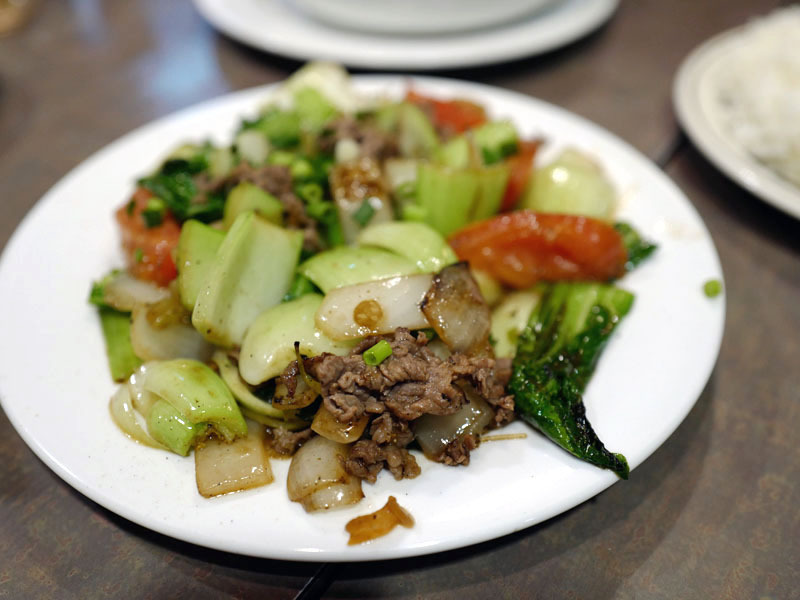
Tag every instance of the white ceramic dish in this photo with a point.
(277, 26)
(696, 101)
(55, 386)
(415, 17)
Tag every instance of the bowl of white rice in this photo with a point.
(758, 90)
(737, 96)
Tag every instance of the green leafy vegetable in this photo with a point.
(300, 286)
(154, 212)
(556, 356)
(637, 247)
(174, 185)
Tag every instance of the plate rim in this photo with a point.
(485, 47)
(723, 152)
(599, 484)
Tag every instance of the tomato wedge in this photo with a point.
(523, 247)
(148, 250)
(521, 165)
(449, 116)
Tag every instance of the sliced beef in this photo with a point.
(490, 377)
(457, 451)
(387, 429)
(373, 142)
(410, 383)
(287, 442)
(368, 458)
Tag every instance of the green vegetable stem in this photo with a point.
(556, 356)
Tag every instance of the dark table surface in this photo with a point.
(712, 514)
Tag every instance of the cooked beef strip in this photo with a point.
(287, 442)
(457, 451)
(373, 142)
(368, 458)
(387, 429)
(411, 382)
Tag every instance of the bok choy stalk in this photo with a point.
(122, 360)
(556, 356)
(191, 398)
(115, 320)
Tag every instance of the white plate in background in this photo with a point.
(415, 17)
(277, 26)
(55, 386)
(696, 100)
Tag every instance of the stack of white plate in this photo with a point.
(412, 34)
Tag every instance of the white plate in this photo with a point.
(695, 97)
(55, 385)
(414, 17)
(277, 26)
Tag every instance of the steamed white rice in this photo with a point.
(759, 91)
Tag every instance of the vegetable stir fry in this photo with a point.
(355, 280)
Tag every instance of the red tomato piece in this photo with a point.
(523, 247)
(148, 250)
(449, 116)
(521, 165)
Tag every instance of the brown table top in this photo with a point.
(712, 514)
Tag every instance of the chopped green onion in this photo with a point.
(712, 288)
(154, 213)
(310, 193)
(319, 210)
(281, 157)
(301, 169)
(378, 353)
(364, 213)
(138, 255)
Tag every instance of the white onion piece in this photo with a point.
(335, 496)
(326, 425)
(224, 467)
(374, 307)
(318, 466)
(457, 311)
(175, 341)
(124, 292)
(124, 416)
(143, 399)
(435, 432)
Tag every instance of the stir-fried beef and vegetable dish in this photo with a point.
(352, 281)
